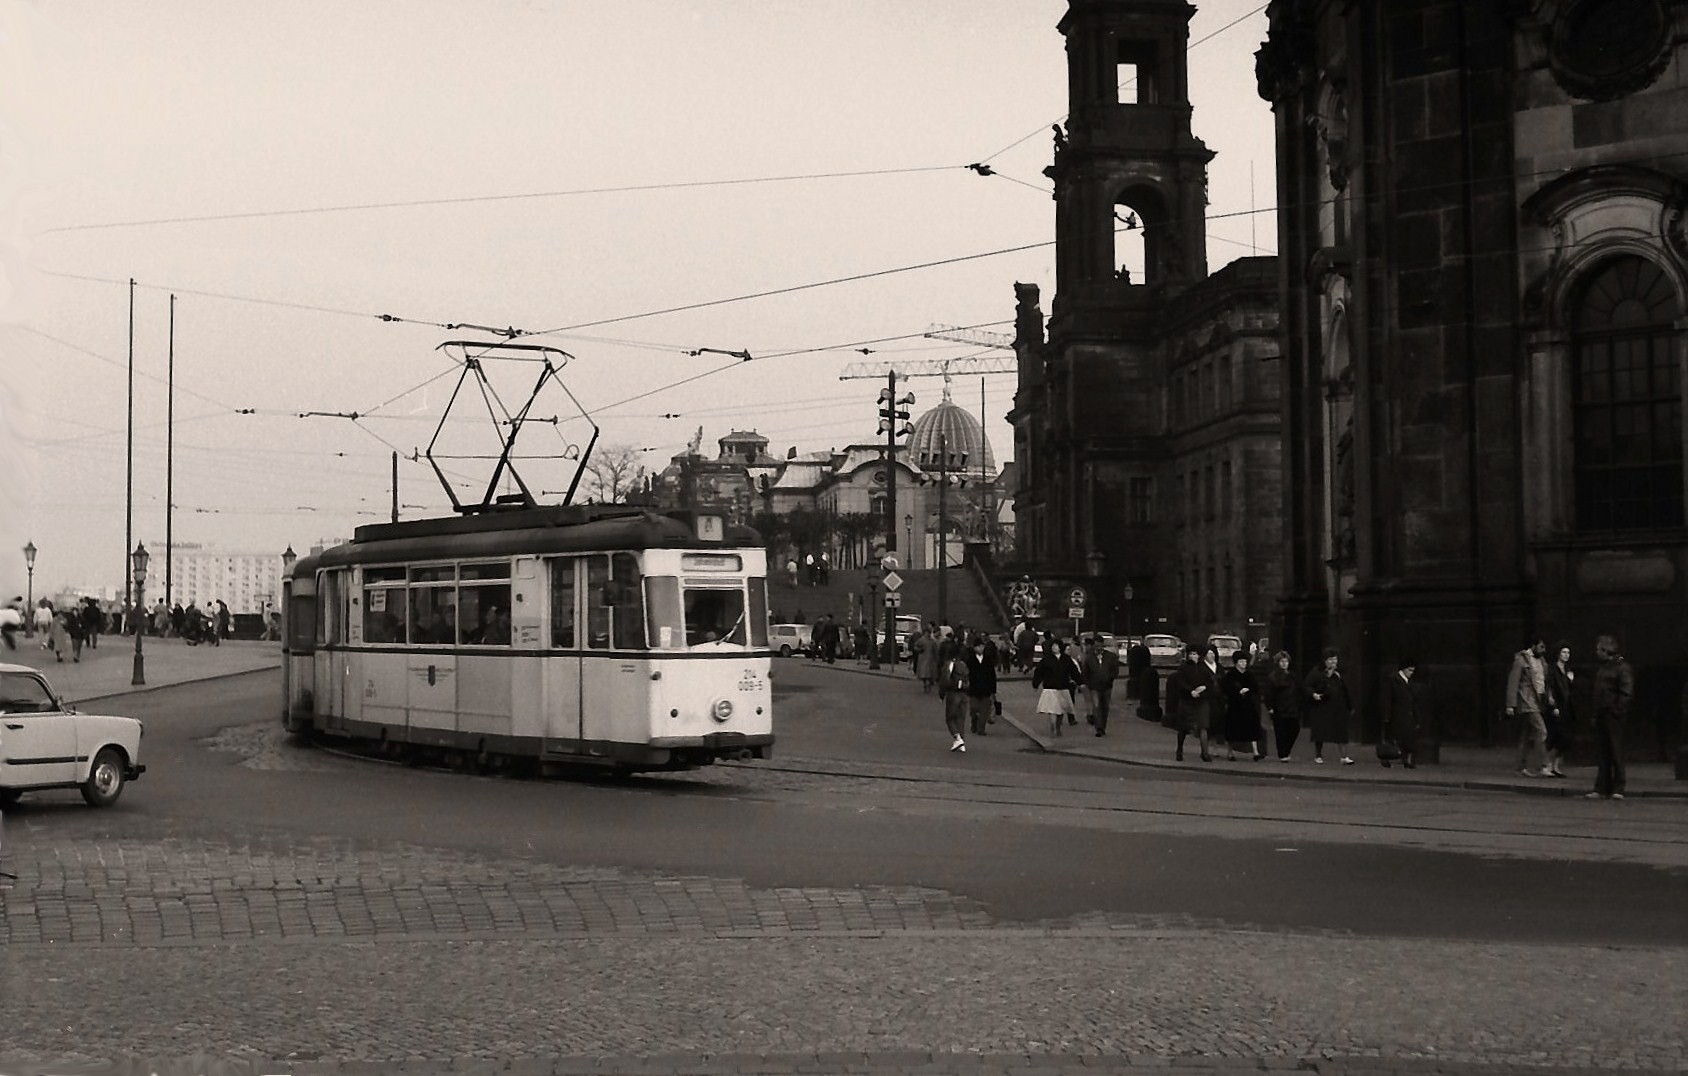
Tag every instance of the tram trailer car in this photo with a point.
(605, 635)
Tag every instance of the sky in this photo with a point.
(326, 186)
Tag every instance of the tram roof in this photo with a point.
(554, 529)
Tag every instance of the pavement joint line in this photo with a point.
(150, 688)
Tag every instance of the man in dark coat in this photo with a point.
(1101, 669)
(981, 659)
(1614, 692)
(1400, 712)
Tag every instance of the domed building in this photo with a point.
(949, 430)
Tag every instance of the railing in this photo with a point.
(976, 557)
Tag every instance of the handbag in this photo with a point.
(1388, 750)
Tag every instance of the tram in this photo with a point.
(601, 634)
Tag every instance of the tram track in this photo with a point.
(926, 787)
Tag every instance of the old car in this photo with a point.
(1165, 651)
(1225, 645)
(46, 744)
(789, 639)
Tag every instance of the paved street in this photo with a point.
(868, 902)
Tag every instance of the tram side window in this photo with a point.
(383, 605)
(663, 623)
(483, 606)
(714, 616)
(301, 621)
(562, 603)
(433, 615)
(627, 620)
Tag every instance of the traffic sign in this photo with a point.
(1075, 613)
(893, 599)
(889, 562)
(1077, 598)
(893, 582)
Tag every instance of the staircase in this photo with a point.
(966, 603)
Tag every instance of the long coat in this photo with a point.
(1194, 712)
(1401, 718)
(1242, 716)
(926, 657)
(1283, 695)
(1328, 716)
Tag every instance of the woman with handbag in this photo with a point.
(1398, 738)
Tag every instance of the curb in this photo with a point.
(149, 688)
(1476, 784)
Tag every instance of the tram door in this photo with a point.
(561, 689)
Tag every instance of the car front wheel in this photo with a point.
(105, 779)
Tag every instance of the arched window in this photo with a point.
(1627, 400)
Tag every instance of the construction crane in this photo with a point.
(945, 368)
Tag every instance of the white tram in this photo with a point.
(597, 634)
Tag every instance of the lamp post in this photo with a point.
(138, 562)
(908, 531)
(1128, 594)
(287, 559)
(29, 608)
(1095, 563)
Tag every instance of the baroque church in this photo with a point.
(1484, 271)
(1147, 419)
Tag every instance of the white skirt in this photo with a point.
(1054, 701)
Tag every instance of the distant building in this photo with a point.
(247, 582)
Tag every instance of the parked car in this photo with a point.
(789, 639)
(1165, 651)
(908, 626)
(47, 744)
(1226, 645)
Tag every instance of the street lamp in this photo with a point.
(1095, 562)
(287, 559)
(908, 529)
(138, 561)
(29, 608)
(1128, 594)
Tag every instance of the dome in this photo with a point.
(963, 439)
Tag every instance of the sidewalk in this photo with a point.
(1135, 742)
(109, 670)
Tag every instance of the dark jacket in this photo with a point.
(981, 680)
(1401, 721)
(1328, 716)
(1193, 711)
(1242, 717)
(1614, 688)
(1058, 673)
(1283, 694)
(1101, 669)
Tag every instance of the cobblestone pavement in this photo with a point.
(318, 951)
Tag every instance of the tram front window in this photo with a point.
(714, 616)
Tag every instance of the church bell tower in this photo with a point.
(1127, 165)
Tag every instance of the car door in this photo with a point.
(37, 739)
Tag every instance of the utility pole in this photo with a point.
(170, 464)
(943, 538)
(395, 487)
(893, 422)
(129, 475)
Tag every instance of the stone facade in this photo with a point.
(1485, 282)
(1147, 422)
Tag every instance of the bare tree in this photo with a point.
(613, 474)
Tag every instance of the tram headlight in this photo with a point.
(721, 709)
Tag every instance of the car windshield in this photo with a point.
(1160, 640)
(1229, 642)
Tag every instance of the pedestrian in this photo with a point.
(925, 658)
(11, 622)
(58, 637)
(1330, 708)
(43, 618)
(178, 620)
(1614, 692)
(93, 621)
(1054, 678)
(864, 644)
(1401, 720)
(160, 619)
(1025, 644)
(1138, 662)
(1190, 692)
(1283, 703)
(1561, 708)
(981, 658)
(1526, 699)
(1101, 669)
(225, 622)
(953, 688)
(1242, 715)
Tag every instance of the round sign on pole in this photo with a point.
(889, 562)
(1077, 597)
